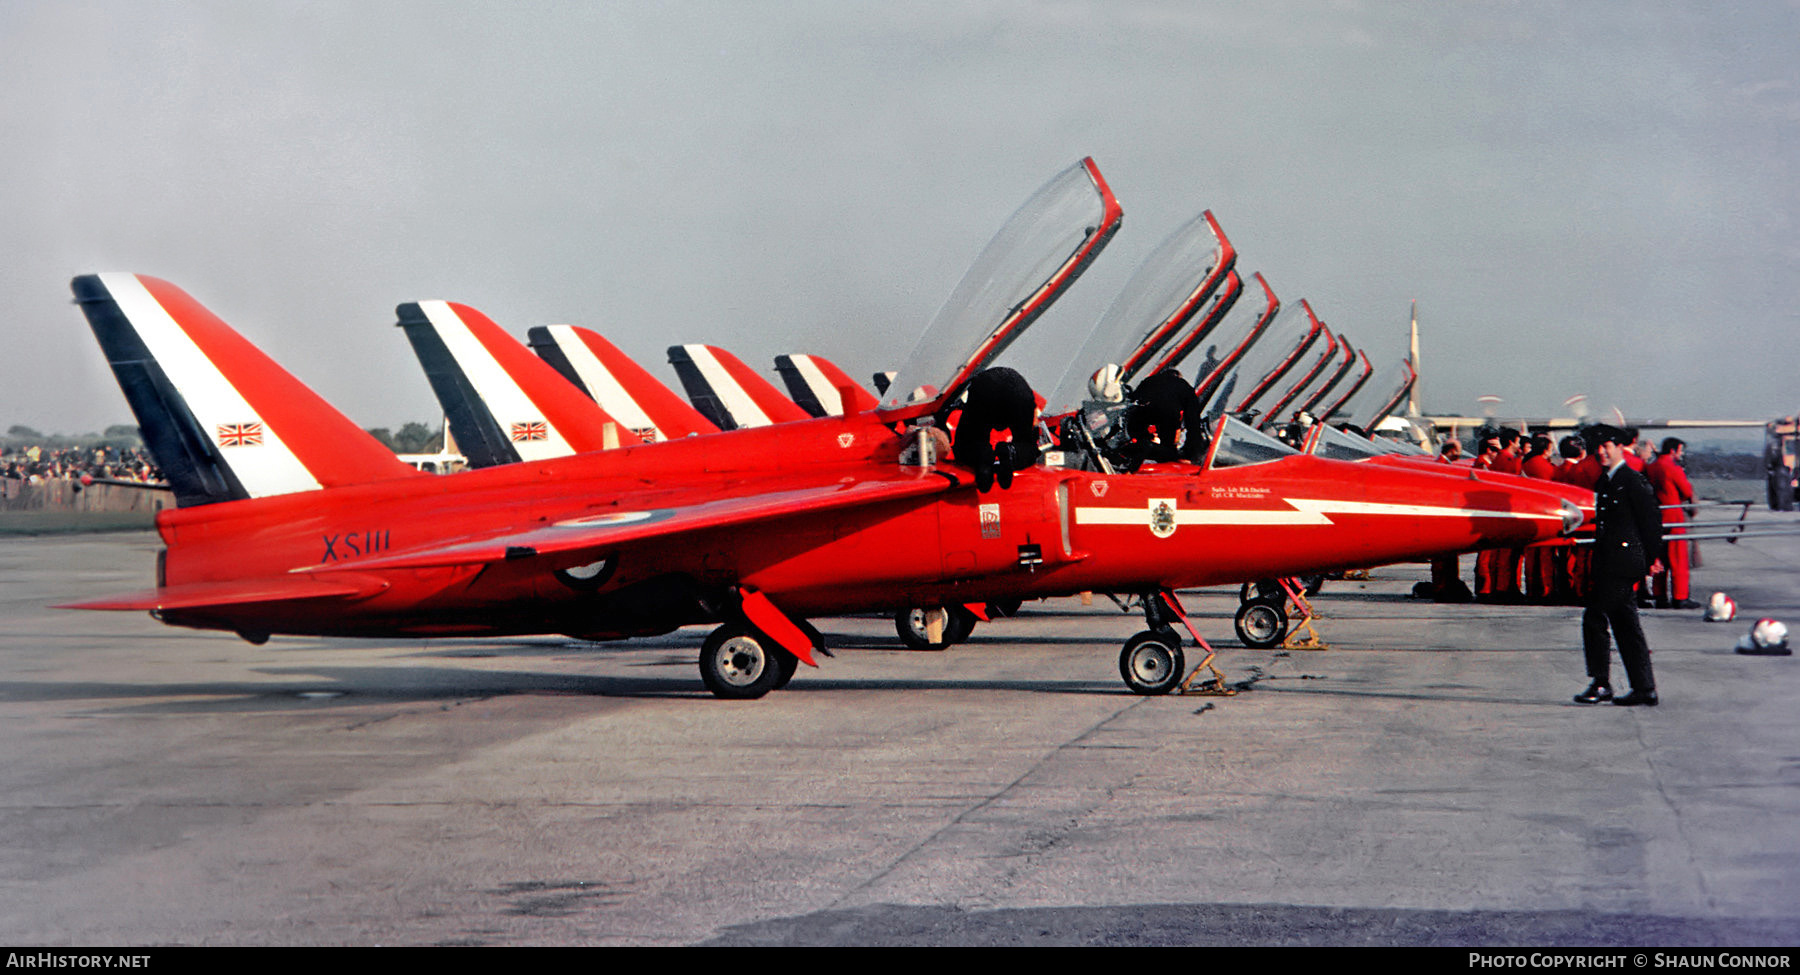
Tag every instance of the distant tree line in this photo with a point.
(413, 438)
(119, 437)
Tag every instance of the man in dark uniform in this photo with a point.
(997, 433)
(1627, 544)
(1164, 422)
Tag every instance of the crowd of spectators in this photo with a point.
(35, 464)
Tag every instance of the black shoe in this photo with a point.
(1006, 460)
(1635, 698)
(1596, 693)
(1662, 602)
(1643, 603)
(1684, 604)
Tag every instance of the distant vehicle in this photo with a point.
(1781, 448)
(438, 463)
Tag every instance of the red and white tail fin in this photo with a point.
(820, 388)
(223, 421)
(614, 380)
(727, 392)
(504, 404)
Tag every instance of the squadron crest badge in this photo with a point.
(1162, 517)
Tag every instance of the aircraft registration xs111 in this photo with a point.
(294, 521)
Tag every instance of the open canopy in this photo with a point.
(1163, 296)
(1034, 258)
(1382, 396)
(1230, 341)
(1294, 332)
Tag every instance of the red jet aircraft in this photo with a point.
(293, 520)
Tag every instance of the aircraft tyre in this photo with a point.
(1261, 625)
(910, 624)
(785, 666)
(962, 623)
(739, 664)
(1314, 584)
(1152, 662)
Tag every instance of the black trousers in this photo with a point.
(1614, 605)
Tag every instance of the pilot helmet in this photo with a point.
(1767, 637)
(1768, 634)
(1105, 384)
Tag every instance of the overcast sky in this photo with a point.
(1583, 197)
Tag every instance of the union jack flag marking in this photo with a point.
(535, 430)
(240, 434)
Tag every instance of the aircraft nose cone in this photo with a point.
(1572, 517)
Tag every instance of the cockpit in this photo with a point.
(1237, 444)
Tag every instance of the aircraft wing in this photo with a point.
(197, 595)
(617, 527)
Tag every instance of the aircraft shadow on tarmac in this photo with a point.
(1251, 924)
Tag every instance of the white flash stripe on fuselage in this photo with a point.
(265, 468)
(601, 383)
(505, 401)
(821, 387)
(736, 401)
(1307, 511)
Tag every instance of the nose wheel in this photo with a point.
(1152, 662)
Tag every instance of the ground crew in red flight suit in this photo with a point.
(1446, 575)
(1582, 470)
(1638, 456)
(1487, 568)
(1503, 564)
(1540, 566)
(1673, 489)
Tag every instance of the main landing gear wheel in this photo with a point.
(1261, 625)
(910, 624)
(1152, 662)
(739, 664)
